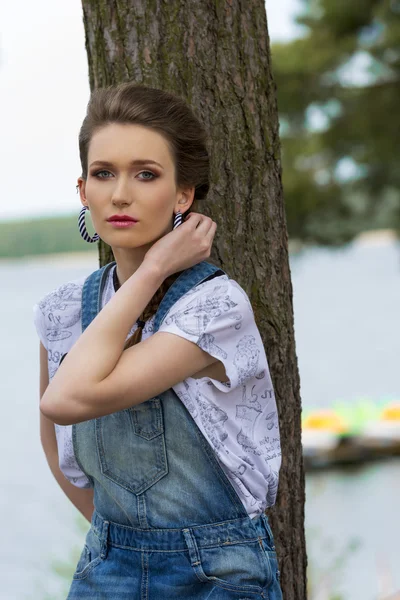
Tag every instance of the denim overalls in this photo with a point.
(167, 523)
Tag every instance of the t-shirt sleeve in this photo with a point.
(218, 317)
(38, 321)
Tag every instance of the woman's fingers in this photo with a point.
(203, 226)
(202, 223)
(211, 233)
(196, 218)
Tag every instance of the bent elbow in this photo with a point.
(60, 415)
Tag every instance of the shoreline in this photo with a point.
(56, 257)
(376, 237)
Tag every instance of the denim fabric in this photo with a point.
(167, 523)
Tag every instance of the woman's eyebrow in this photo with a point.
(142, 161)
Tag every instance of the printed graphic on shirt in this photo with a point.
(188, 400)
(197, 314)
(207, 343)
(273, 481)
(61, 310)
(213, 419)
(236, 478)
(247, 414)
(246, 358)
(238, 418)
(245, 297)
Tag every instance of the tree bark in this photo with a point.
(216, 55)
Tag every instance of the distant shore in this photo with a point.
(375, 237)
(378, 237)
(91, 257)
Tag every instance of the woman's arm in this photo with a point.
(97, 351)
(81, 498)
(97, 377)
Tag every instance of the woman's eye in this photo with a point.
(99, 174)
(104, 174)
(148, 173)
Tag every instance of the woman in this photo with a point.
(169, 447)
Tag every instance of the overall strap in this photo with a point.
(185, 282)
(94, 286)
(92, 293)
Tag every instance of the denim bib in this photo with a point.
(167, 522)
(150, 465)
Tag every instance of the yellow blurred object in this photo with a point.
(391, 412)
(325, 419)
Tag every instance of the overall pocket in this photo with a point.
(131, 446)
(90, 556)
(237, 567)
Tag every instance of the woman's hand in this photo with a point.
(183, 247)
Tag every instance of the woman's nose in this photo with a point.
(120, 202)
(120, 193)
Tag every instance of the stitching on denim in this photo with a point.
(159, 470)
(194, 556)
(132, 549)
(88, 569)
(174, 550)
(236, 501)
(267, 561)
(196, 563)
(104, 273)
(238, 522)
(92, 292)
(188, 279)
(75, 449)
(144, 592)
(233, 543)
(234, 588)
(195, 549)
(268, 529)
(141, 510)
(156, 408)
(104, 540)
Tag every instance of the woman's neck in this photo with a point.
(128, 261)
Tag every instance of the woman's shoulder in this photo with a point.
(68, 292)
(220, 294)
(218, 306)
(58, 310)
(218, 317)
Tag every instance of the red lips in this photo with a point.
(121, 218)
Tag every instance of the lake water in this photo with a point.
(346, 306)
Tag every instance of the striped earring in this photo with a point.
(177, 220)
(82, 227)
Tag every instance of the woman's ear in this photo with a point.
(186, 200)
(81, 187)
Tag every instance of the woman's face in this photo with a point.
(117, 184)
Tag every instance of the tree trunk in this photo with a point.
(216, 56)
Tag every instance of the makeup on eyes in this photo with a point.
(96, 173)
(133, 163)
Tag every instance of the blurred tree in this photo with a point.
(216, 56)
(338, 98)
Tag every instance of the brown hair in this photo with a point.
(185, 135)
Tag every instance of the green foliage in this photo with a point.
(339, 126)
(42, 236)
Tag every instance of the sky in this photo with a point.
(44, 91)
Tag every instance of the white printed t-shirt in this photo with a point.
(238, 418)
